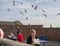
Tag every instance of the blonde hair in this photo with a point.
(33, 30)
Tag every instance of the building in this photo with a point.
(10, 26)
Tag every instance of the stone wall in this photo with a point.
(7, 42)
(51, 33)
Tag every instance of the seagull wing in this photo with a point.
(45, 15)
(25, 10)
(35, 7)
(43, 10)
(58, 13)
(9, 10)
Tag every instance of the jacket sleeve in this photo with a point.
(29, 40)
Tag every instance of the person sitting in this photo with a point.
(20, 37)
(32, 39)
(11, 36)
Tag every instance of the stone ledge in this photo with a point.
(7, 42)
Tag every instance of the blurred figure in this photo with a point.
(20, 37)
(32, 39)
(35, 7)
(11, 36)
(32, 5)
(25, 10)
(13, 3)
(9, 10)
(1, 33)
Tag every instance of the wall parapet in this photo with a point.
(7, 42)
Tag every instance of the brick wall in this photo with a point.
(51, 33)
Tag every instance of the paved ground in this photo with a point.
(52, 43)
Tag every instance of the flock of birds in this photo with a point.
(35, 7)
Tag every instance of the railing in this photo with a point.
(7, 42)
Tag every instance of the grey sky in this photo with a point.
(51, 8)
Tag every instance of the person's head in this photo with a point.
(33, 32)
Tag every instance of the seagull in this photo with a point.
(35, 7)
(9, 10)
(21, 3)
(54, 0)
(45, 15)
(13, 3)
(26, 18)
(25, 10)
(32, 5)
(58, 13)
(20, 12)
(43, 11)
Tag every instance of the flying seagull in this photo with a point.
(25, 10)
(43, 11)
(45, 15)
(58, 13)
(32, 5)
(26, 18)
(21, 3)
(13, 3)
(54, 0)
(20, 12)
(9, 10)
(35, 7)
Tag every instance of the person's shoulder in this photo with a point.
(30, 37)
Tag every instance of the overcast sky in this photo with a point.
(8, 12)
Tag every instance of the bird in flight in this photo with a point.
(13, 3)
(32, 5)
(26, 18)
(20, 12)
(43, 11)
(45, 15)
(58, 13)
(9, 10)
(25, 10)
(21, 3)
(54, 0)
(35, 7)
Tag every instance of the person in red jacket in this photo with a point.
(20, 37)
